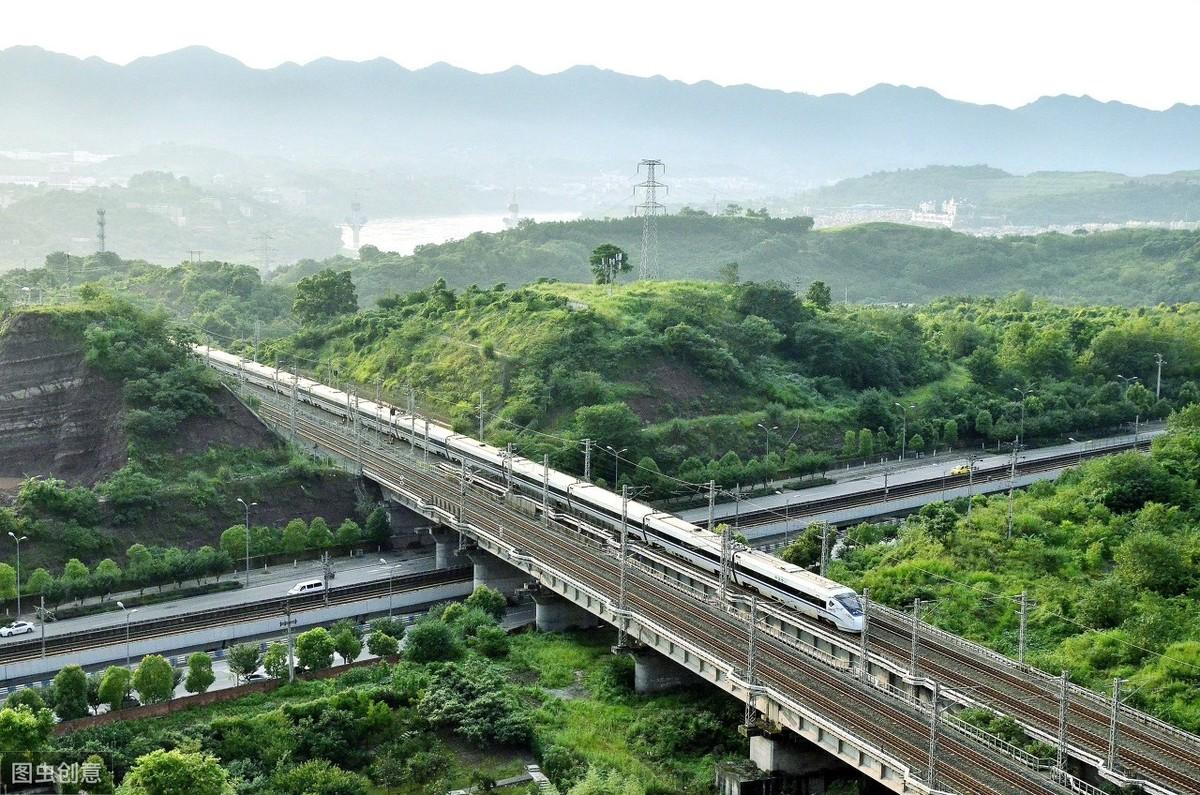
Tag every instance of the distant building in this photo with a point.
(945, 214)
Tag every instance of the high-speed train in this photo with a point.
(809, 593)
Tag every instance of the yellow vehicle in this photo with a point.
(962, 469)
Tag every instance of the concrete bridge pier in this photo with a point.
(445, 547)
(496, 573)
(653, 673)
(553, 613)
(784, 763)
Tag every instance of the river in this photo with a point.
(404, 234)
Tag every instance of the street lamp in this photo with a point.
(1024, 393)
(128, 615)
(1126, 383)
(391, 567)
(13, 536)
(616, 461)
(1079, 462)
(904, 431)
(767, 437)
(247, 507)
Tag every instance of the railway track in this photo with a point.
(237, 614)
(809, 508)
(1141, 752)
(879, 719)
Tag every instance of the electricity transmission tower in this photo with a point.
(650, 209)
(101, 222)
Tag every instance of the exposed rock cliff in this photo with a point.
(57, 417)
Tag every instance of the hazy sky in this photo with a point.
(1006, 52)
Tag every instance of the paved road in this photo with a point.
(873, 477)
(347, 571)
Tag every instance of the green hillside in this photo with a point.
(689, 374)
(867, 263)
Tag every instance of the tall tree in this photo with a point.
(70, 693)
(323, 296)
(608, 262)
(819, 295)
(244, 659)
(154, 679)
(200, 674)
(171, 772)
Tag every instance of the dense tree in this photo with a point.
(607, 262)
(200, 674)
(115, 686)
(489, 600)
(154, 679)
(315, 648)
(275, 661)
(430, 640)
(324, 296)
(382, 645)
(347, 644)
(176, 771)
(819, 295)
(70, 693)
(379, 527)
(319, 777)
(244, 659)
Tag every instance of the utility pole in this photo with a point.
(904, 431)
(1012, 474)
(288, 622)
(426, 441)
(1160, 361)
(508, 465)
(247, 507)
(546, 490)
(916, 635)
(295, 400)
(42, 613)
(327, 575)
(753, 637)
(481, 415)
(266, 239)
(622, 599)
(1113, 724)
(587, 460)
(824, 547)
(1061, 762)
(934, 714)
(1024, 393)
(863, 659)
(650, 209)
(1021, 629)
(257, 329)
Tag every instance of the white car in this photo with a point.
(16, 628)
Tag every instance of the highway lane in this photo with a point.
(349, 571)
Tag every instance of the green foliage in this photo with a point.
(200, 674)
(115, 686)
(431, 640)
(607, 262)
(25, 696)
(472, 700)
(275, 661)
(315, 648)
(24, 732)
(382, 645)
(379, 526)
(70, 693)
(324, 296)
(154, 679)
(347, 644)
(244, 659)
(319, 777)
(489, 600)
(172, 772)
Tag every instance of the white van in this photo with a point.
(308, 586)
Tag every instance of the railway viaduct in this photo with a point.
(880, 704)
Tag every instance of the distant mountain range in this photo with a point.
(572, 128)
